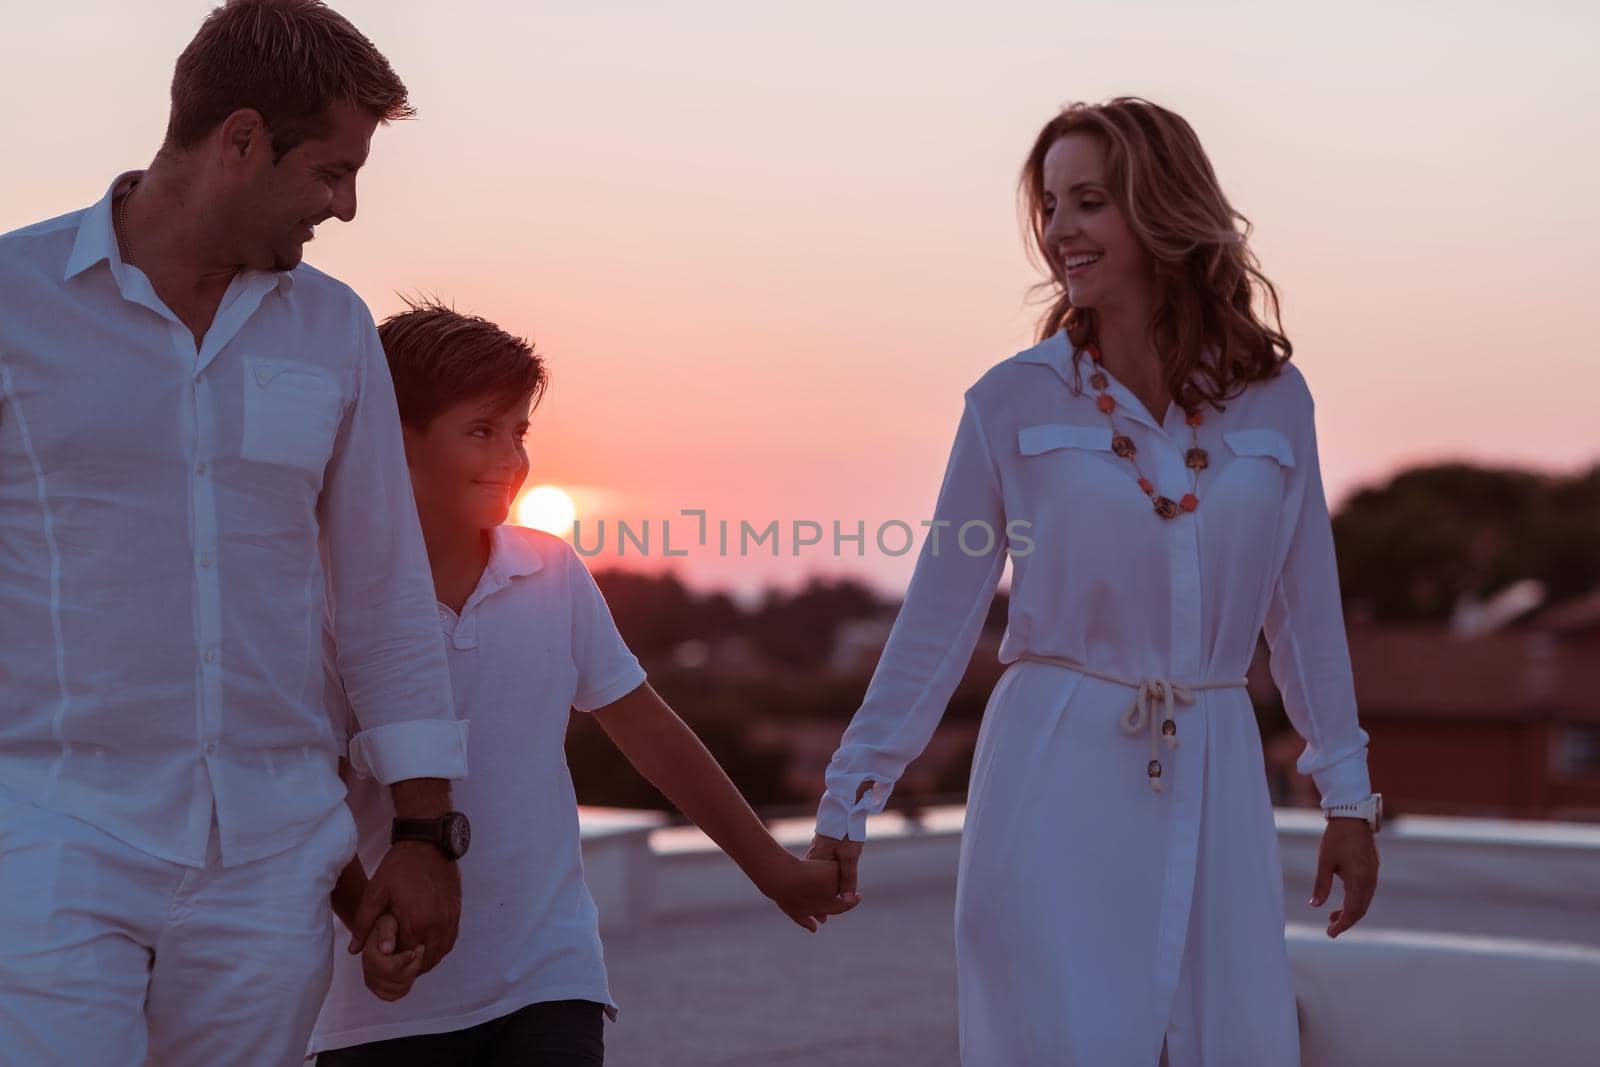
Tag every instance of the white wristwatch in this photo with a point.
(1370, 809)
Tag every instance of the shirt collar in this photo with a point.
(511, 555)
(97, 237)
(511, 552)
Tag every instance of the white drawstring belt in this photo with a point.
(1138, 716)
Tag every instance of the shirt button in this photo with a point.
(211, 749)
(197, 379)
(206, 559)
(211, 655)
(200, 468)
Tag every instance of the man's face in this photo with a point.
(468, 465)
(313, 182)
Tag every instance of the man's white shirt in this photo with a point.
(174, 524)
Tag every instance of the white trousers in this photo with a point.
(110, 957)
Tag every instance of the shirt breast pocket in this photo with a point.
(291, 413)
(1256, 480)
(1062, 461)
(1269, 444)
(1037, 440)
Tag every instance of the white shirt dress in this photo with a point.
(1097, 916)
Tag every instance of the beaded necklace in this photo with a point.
(1196, 459)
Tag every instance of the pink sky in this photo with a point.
(765, 248)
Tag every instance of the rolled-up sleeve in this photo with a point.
(390, 653)
(931, 641)
(1310, 654)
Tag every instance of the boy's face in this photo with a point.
(468, 465)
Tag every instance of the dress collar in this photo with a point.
(1057, 352)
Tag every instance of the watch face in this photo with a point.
(458, 833)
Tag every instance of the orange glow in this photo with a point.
(548, 508)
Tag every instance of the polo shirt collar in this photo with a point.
(511, 553)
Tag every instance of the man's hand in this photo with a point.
(423, 889)
(388, 971)
(1348, 851)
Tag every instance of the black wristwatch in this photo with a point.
(451, 832)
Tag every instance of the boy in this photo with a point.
(528, 636)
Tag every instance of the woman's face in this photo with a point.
(1086, 237)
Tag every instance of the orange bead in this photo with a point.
(1144, 483)
(1189, 502)
(1105, 403)
(1195, 418)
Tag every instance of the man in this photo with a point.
(200, 458)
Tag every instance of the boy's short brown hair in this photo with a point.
(439, 357)
(291, 60)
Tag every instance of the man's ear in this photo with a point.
(245, 137)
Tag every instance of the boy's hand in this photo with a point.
(807, 891)
(422, 890)
(389, 972)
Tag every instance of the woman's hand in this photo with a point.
(1348, 851)
(847, 854)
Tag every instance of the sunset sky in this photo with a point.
(765, 247)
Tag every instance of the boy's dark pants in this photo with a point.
(555, 1033)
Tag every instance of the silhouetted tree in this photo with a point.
(1409, 549)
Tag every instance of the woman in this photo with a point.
(1120, 894)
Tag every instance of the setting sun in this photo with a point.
(547, 508)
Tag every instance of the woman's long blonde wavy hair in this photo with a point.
(1207, 279)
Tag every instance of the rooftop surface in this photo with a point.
(716, 976)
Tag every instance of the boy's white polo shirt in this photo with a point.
(533, 640)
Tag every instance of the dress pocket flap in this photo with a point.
(1033, 440)
(1269, 443)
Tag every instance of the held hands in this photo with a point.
(1348, 851)
(422, 890)
(388, 971)
(845, 853)
(806, 890)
